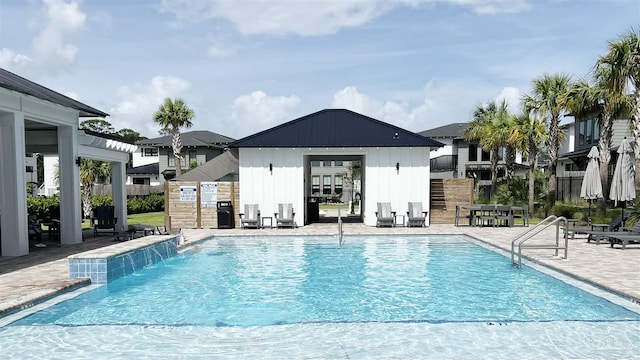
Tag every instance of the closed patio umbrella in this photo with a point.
(591, 184)
(623, 186)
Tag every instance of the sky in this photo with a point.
(245, 66)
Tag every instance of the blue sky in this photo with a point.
(247, 65)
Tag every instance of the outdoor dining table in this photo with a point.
(475, 211)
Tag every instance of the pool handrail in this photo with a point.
(519, 240)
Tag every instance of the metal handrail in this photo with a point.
(544, 224)
(339, 228)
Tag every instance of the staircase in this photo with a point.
(445, 194)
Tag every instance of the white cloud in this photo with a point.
(139, 102)
(512, 96)
(52, 49)
(258, 111)
(491, 7)
(306, 18)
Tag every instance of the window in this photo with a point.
(149, 152)
(501, 154)
(315, 163)
(337, 180)
(485, 156)
(315, 184)
(473, 152)
(326, 185)
(337, 163)
(141, 181)
(192, 157)
(172, 160)
(588, 131)
(326, 163)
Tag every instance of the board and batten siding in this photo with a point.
(381, 182)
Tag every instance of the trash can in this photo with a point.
(225, 215)
(313, 210)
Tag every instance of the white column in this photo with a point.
(69, 171)
(119, 192)
(13, 192)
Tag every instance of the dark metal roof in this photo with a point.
(151, 169)
(11, 81)
(335, 128)
(191, 138)
(451, 131)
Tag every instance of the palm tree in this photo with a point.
(91, 171)
(528, 135)
(548, 100)
(172, 115)
(490, 128)
(623, 58)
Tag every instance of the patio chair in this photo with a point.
(595, 229)
(524, 215)
(460, 215)
(35, 230)
(487, 215)
(622, 236)
(250, 218)
(384, 215)
(415, 216)
(285, 216)
(162, 230)
(503, 215)
(104, 219)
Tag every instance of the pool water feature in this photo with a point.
(410, 296)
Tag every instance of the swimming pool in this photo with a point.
(410, 296)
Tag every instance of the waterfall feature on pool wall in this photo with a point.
(126, 259)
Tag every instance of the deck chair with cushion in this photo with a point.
(250, 218)
(595, 229)
(104, 220)
(285, 216)
(415, 216)
(384, 215)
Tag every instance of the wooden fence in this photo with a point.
(192, 204)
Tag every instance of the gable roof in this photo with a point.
(451, 131)
(214, 169)
(190, 139)
(11, 81)
(335, 128)
(149, 169)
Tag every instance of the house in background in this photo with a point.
(580, 136)
(154, 162)
(329, 182)
(459, 158)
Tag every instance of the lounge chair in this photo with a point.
(384, 215)
(415, 215)
(619, 237)
(162, 230)
(285, 216)
(251, 217)
(104, 219)
(459, 215)
(595, 229)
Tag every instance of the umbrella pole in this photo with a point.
(589, 216)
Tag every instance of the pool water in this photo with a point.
(243, 289)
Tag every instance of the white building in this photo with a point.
(275, 164)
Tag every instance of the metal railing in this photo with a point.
(339, 228)
(519, 241)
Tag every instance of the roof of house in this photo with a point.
(335, 128)
(190, 139)
(151, 169)
(11, 81)
(451, 131)
(214, 169)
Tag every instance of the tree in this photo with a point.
(129, 135)
(172, 115)
(548, 100)
(528, 135)
(623, 58)
(354, 170)
(91, 171)
(98, 125)
(490, 128)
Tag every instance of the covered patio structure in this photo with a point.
(35, 119)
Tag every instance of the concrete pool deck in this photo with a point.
(26, 280)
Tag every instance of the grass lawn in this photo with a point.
(152, 218)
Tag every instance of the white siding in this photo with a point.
(381, 181)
